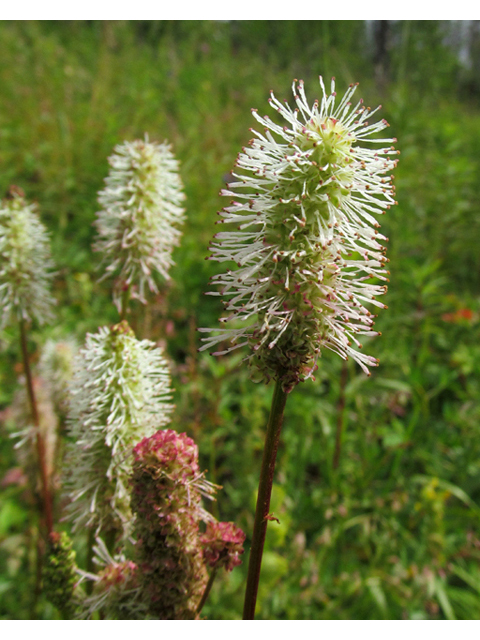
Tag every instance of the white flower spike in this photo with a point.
(25, 262)
(306, 243)
(120, 394)
(138, 224)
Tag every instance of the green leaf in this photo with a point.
(396, 385)
(11, 515)
(443, 599)
(374, 586)
(472, 581)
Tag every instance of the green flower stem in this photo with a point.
(263, 500)
(207, 590)
(42, 462)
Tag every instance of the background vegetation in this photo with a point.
(386, 525)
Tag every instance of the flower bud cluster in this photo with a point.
(307, 248)
(60, 575)
(222, 545)
(141, 212)
(119, 394)
(25, 262)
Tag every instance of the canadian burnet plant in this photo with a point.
(167, 490)
(164, 574)
(306, 244)
(120, 393)
(139, 223)
(25, 296)
(309, 258)
(26, 266)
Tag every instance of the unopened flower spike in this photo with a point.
(25, 262)
(120, 393)
(138, 226)
(60, 576)
(306, 241)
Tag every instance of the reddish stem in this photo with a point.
(262, 513)
(41, 453)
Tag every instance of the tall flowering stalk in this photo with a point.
(308, 253)
(120, 393)
(138, 226)
(25, 296)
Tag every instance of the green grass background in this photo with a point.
(393, 532)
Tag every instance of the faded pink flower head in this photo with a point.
(169, 450)
(223, 545)
(167, 488)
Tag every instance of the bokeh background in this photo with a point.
(378, 479)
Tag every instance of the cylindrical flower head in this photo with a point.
(120, 393)
(166, 498)
(306, 242)
(223, 545)
(138, 225)
(25, 262)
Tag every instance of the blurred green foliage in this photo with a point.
(392, 531)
